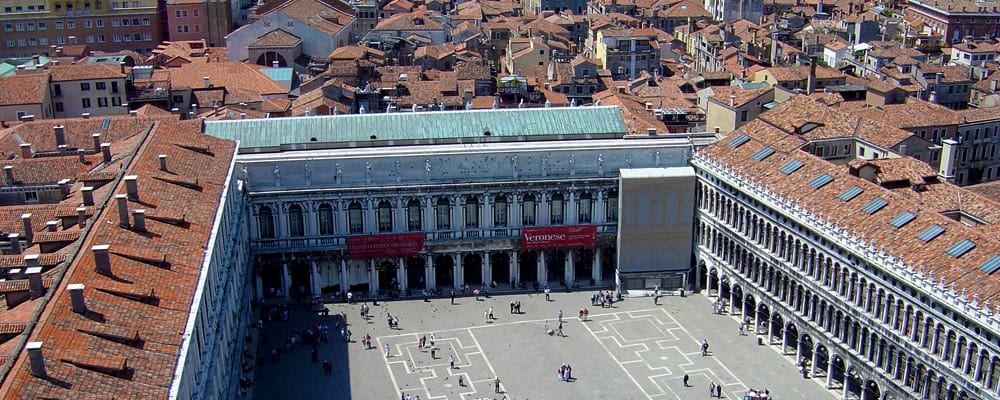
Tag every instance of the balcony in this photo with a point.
(149, 91)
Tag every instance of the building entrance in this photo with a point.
(444, 276)
(386, 277)
(415, 278)
(529, 268)
(500, 269)
(301, 287)
(472, 270)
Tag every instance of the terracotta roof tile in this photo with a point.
(48, 170)
(44, 260)
(276, 38)
(78, 72)
(23, 89)
(10, 217)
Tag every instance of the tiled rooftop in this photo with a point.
(23, 89)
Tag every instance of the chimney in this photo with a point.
(26, 226)
(28, 118)
(993, 86)
(60, 132)
(65, 185)
(31, 260)
(36, 360)
(85, 115)
(106, 151)
(140, 220)
(208, 82)
(903, 148)
(243, 115)
(811, 81)
(121, 66)
(88, 195)
(274, 64)
(122, 200)
(163, 162)
(26, 151)
(937, 80)
(8, 171)
(651, 131)
(716, 129)
(81, 216)
(52, 226)
(102, 259)
(132, 187)
(62, 149)
(15, 242)
(35, 287)
(732, 100)
(76, 297)
(932, 97)
(97, 142)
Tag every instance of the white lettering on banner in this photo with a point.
(544, 237)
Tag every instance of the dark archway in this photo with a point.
(737, 306)
(500, 269)
(583, 266)
(268, 57)
(529, 268)
(444, 276)
(301, 287)
(270, 278)
(822, 367)
(871, 391)
(415, 278)
(472, 270)
(609, 264)
(555, 266)
(386, 277)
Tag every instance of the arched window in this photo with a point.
(500, 210)
(265, 222)
(471, 212)
(325, 219)
(528, 210)
(557, 208)
(612, 206)
(414, 220)
(355, 218)
(384, 215)
(296, 228)
(443, 213)
(585, 208)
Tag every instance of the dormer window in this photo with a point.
(418, 21)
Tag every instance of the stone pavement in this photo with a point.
(636, 350)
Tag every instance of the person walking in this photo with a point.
(560, 316)
(718, 390)
(453, 297)
(387, 351)
(496, 385)
(451, 360)
(559, 331)
(686, 380)
(547, 291)
(711, 389)
(490, 313)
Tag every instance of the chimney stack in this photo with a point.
(15, 242)
(274, 64)
(102, 259)
(122, 210)
(8, 171)
(97, 142)
(651, 131)
(36, 360)
(85, 115)
(163, 162)
(208, 82)
(811, 81)
(31, 260)
(903, 148)
(140, 220)
(81, 216)
(937, 80)
(732, 100)
(60, 132)
(132, 187)
(26, 151)
(88, 195)
(76, 297)
(29, 234)
(35, 287)
(106, 151)
(52, 226)
(993, 86)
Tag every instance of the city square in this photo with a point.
(634, 350)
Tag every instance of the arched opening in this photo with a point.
(837, 372)
(609, 264)
(529, 268)
(583, 266)
(296, 226)
(724, 289)
(268, 57)
(444, 275)
(443, 213)
(737, 306)
(500, 269)
(500, 211)
(775, 332)
(270, 278)
(265, 222)
(555, 266)
(387, 283)
(871, 391)
(557, 210)
(414, 216)
(822, 367)
(791, 339)
(805, 354)
(383, 214)
(472, 270)
(325, 219)
(713, 283)
(751, 312)
(855, 385)
(415, 266)
(355, 219)
(301, 280)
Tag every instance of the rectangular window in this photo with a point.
(8, 27)
(90, 38)
(177, 14)
(58, 89)
(135, 21)
(99, 23)
(125, 22)
(195, 13)
(197, 28)
(30, 197)
(135, 4)
(100, 85)
(31, 26)
(180, 28)
(101, 39)
(19, 27)
(136, 37)
(102, 102)
(145, 21)
(85, 102)
(41, 26)
(70, 24)
(11, 43)
(743, 116)
(59, 106)
(84, 86)
(128, 38)
(116, 101)
(147, 37)
(115, 23)
(116, 37)
(32, 42)
(87, 24)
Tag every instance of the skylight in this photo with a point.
(738, 140)
(874, 206)
(930, 233)
(791, 166)
(763, 153)
(850, 193)
(902, 219)
(958, 249)
(821, 180)
(991, 265)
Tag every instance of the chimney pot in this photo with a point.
(993, 86)
(29, 234)
(85, 115)
(28, 118)
(163, 162)
(31, 260)
(97, 142)
(651, 131)
(88, 195)
(8, 171)
(133, 113)
(140, 220)
(132, 187)
(26, 151)
(52, 226)
(102, 259)
(717, 129)
(81, 216)
(106, 151)
(62, 148)
(36, 360)
(122, 210)
(208, 82)
(76, 297)
(243, 115)
(35, 287)
(274, 64)
(15, 242)
(60, 132)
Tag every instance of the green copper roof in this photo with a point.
(555, 123)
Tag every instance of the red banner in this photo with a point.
(559, 236)
(389, 245)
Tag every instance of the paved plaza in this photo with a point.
(635, 350)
